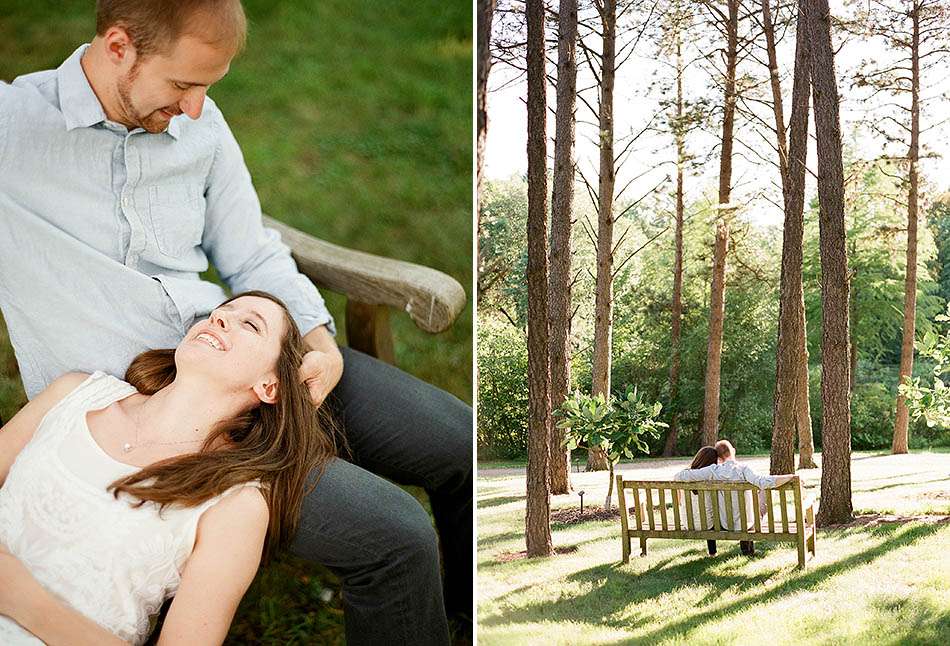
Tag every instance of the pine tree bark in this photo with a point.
(603, 302)
(669, 448)
(835, 395)
(717, 294)
(901, 423)
(486, 11)
(538, 515)
(790, 411)
(562, 215)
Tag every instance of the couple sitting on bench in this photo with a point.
(718, 463)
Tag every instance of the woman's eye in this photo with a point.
(181, 87)
(253, 326)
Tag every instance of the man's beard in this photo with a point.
(152, 122)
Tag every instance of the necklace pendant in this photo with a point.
(126, 447)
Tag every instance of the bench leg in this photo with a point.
(801, 550)
(625, 546)
(643, 547)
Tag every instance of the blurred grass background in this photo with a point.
(355, 119)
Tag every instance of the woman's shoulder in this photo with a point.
(242, 504)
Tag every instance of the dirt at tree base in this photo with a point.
(572, 515)
(507, 557)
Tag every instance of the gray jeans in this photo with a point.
(374, 535)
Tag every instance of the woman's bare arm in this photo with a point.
(222, 565)
(24, 600)
(18, 431)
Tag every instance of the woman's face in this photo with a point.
(238, 345)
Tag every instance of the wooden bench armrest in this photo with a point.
(431, 298)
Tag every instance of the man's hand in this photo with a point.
(321, 371)
(322, 367)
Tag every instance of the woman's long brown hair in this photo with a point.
(703, 458)
(284, 446)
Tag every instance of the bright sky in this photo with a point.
(507, 137)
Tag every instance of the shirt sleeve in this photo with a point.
(693, 475)
(246, 254)
(762, 482)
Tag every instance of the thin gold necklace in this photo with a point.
(128, 447)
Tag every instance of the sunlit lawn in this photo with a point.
(878, 583)
(355, 121)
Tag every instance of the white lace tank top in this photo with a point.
(114, 563)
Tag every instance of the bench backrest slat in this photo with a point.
(742, 513)
(636, 504)
(730, 517)
(782, 497)
(649, 494)
(662, 503)
(675, 493)
(755, 513)
(690, 523)
(715, 508)
(771, 512)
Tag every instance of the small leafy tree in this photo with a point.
(616, 426)
(931, 403)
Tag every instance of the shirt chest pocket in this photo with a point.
(176, 213)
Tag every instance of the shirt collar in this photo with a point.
(77, 100)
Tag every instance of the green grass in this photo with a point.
(355, 121)
(883, 584)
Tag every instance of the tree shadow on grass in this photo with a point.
(899, 484)
(614, 588)
(919, 621)
(498, 500)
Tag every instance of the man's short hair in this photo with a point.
(154, 26)
(725, 450)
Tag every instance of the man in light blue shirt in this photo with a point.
(119, 182)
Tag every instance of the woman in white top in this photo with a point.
(116, 495)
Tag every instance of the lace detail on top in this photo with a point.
(113, 562)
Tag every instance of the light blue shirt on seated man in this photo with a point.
(104, 231)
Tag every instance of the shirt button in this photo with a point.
(126, 201)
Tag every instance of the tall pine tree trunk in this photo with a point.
(603, 302)
(538, 516)
(835, 393)
(717, 293)
(562, 213)
(790, 409)
(669, 447)
(486, 10)
(899, 444)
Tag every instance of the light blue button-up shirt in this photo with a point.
(104, 231)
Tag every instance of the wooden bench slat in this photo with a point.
(636, 502)
(663, 522)
(715, 509)
(755, 512)
(650, 519)
(743, 516)
(781, 495)
(690, 525)
(675, 494)
(730, 517)
(771, 512)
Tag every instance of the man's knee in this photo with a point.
(412, 535)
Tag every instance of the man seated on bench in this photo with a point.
(726, 469)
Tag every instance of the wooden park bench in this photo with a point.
(665, 509)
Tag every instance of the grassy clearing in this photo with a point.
(878, 583)
(355, 121)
